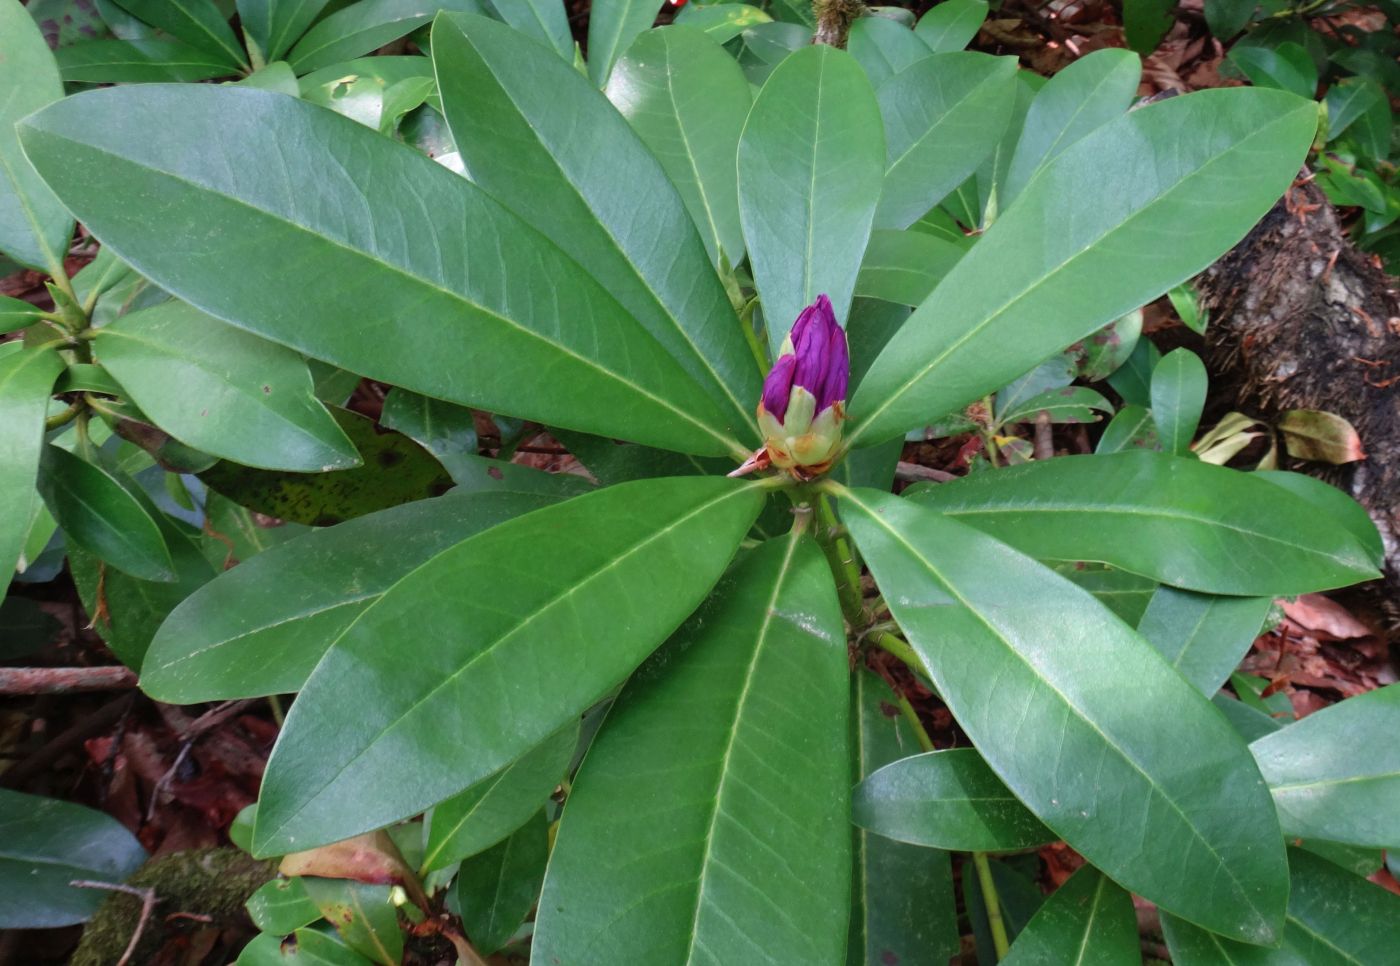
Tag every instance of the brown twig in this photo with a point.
(1044, 441)
(148, 904)
(64, 680)
(916, 473)
(44, 756)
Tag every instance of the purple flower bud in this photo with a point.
(804, 395)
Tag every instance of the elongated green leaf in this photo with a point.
(902, 902)
(1203, 636)
(687, 99)
(470, 293)
(1083, 720)
(951, 25)
(492, 809)
(1127, 595)
(1335, 918)
(1335, 775)
(34, 226)
(44, 845)
(810, 161)
(946, 800)
(26, 379)
(738, 850)
(1228, 17)
(275, 25)
(1334, 503)
(515, 113)
(904, 266)
(102, 513)
(197, 22)
(362, 914)
(545, 20)
(1146, 22)
(281, 906)
(1089, 921)
(218, 646)
(884, 48)
(1178, 396)
(222, 390)
(1178, 521)
(1081, 247)
(1085, 95)
(365, 26)
(16, 314)
(497, 889)
(1132, 428)
(649, 550)
(612, 26)
(943, 116)
(722, 22)
(137, 62)
(1069, 404)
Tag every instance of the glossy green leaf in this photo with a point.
(1178, 395)
(26, 377)
(951, 25)
(363, 914)
(1335, 775)
(884, 48)
(222, 390)
(721, 22)
(44, 845)
(1228, 17)
(1201, 635)
(1081, 247)
(1178, 521)
(1069, 404)
(1126, 595)
(217, 645)
(101, 512)
(275, 25)
(904, 266)
(612, 26)
(814, 123)
(737, 849)
(497, 889)
(16, 314)
(137, 62)
(545, 20)
(282, 906)
(687, 99)
(515, 114)
(364, 27)
(1103, 353)
(1089, 921)
(465, 329)
(244, 533)
(492, 809)
(1146, 22)
(1334, 503)
(371, 90)
(943, 116)
(1360, 106)
(649, 550)
(1083, 720)
(1335, 918)
(196, 22)
(1084, 96)
(1251, 723)
(34, 226)
(315, 947)
(1285, 67)
(946, 800)
(1131, 428)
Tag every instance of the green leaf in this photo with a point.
(1334, 919)
(1250, 722)
(951, 25)
(100, 511)
(497, 889)
(317, 948)
(515, 114)
(275, 25)
(490, 810)
(737, 849)
(1228, 17)
(810, 162)
(1018, 893)
(282, 906)
(1083, 720)
(26, 377)
(1178, 521)
(197, 22)
(363, 914)
(721, 22)
(1146, 22)
(1203, 636)
(1126, 595)
(1103, 353)
(687, 99)
(364, 27)
(1069, 404)
(478, 335)
(137, 62)
(904, 266)
(1360, 105)
(1286, 67)
(1336, 504)
(649, 550)
(1088, 915)
(884, 48)
(612, 26)
(46, 844)
(34, 226)
(545, 20)
(1335, 774)
(943, 116)
(1080, 247)
(371, 90)
(218, 646)
(1084, 96)
(1132, 428)
(222, 390)
(946, 800)
(1178, 395)
(902, 899)
(16, 314)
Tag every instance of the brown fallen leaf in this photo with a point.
(1325, 618)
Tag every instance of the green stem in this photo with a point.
(900, 648)
(842, 561)
(63, 418)
(274, 704)
(912, 716)
(751, 336)
(989, 898)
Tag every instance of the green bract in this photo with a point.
(670, 664)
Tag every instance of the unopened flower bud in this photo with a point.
(804, 397)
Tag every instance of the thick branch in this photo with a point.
(65, 680)
(834, 19)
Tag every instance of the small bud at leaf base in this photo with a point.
(804, 397)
